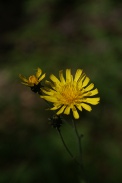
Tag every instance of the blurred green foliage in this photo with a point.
(55, 35)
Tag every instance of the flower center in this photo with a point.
(33, 80)
(69, 94)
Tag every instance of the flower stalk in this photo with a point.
(79, 139)
(66, 147)
(83, 173)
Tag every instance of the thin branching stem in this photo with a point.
(66, 147)
(79, 136)
(79, 140)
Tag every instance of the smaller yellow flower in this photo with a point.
(33, 81)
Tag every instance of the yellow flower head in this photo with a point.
(71, 93)
(34, 80)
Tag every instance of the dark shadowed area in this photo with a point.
(56, 35)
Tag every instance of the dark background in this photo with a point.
(55, 35)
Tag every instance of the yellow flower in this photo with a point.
(33, 81)
(70, 93)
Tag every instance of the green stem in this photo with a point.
(79, 140)
(65, 144)
(66, 147)
(83, 174)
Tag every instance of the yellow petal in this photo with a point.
(48, 92)
(78, 74)
(68, 75)
(87, 94)
(80, 81)
(23, 78)
(38, 73)
(79, 107)
(67, 110)
(26, 84)
(54, 79)
(94, 92)
(50, 84)
(90, 87)
(86, 81)
(93, 101)
(42, 77)
(75, 113)
(61, 110)
(90, 93)
(61, 77)
(49, 98)
(87, 107)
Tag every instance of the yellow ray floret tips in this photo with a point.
(70, 93)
